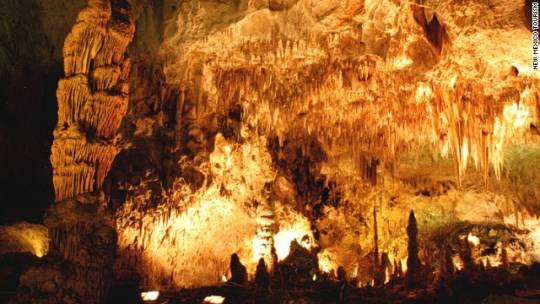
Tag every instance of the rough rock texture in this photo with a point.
(413, 261)
(83, 237)
(252, 124)
(24, 237)
(92, 100)
(358, 101)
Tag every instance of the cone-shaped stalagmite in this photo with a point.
(378, 275)
(386, 267)
(466, 256)
(262, 277)
(446, 264)
(413, 261)
(398, 272)
(92, 100)
(238, 271)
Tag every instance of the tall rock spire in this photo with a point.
(413, 261)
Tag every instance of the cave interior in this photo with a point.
(269, 151)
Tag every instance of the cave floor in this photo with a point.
(337, 294)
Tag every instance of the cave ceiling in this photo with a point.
(365, 78)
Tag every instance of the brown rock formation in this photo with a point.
(92, 100)
(413, 261)
(262, 277)
(238, 271)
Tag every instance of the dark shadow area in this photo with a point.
(31, 39)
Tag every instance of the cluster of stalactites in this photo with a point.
(475, 127)
(92, 98)
(327, 85)
(337, 101)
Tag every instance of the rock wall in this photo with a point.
(32, 34)
(338, 88)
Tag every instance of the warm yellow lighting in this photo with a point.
(148, 296)
(299, 231)
(404, 265)
(213, 300)
(213, 222)
(423, 92)
(326, 263)
(458, 262)
(402, 62)
(473, 239)
(28, 237)
(516, 114)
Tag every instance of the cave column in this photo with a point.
(92, 101)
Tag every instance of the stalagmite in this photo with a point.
(385, 268)
(504, 255)
(446, 264)
(246, 126)
(262, 277)
(413, 261)
(90, 107)
(92, 100)
(466, 256)
(238, 271)
(341, 275)
(266, 226)
(378, 273)
(398, 271)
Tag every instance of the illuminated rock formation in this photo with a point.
(24, 237)
(254, 124)
(92, 98)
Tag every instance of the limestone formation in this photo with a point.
(238, 271)
(414, 271)
(249, 125)
(262, 277)
(92, 98)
